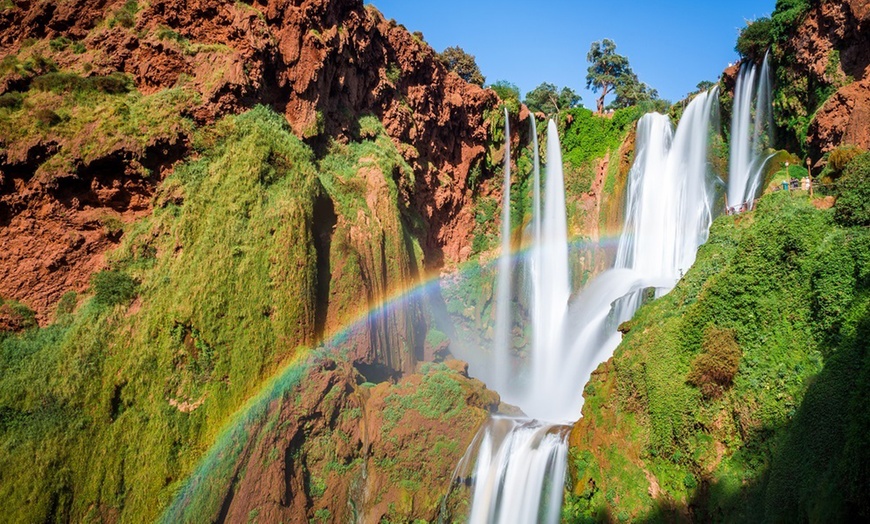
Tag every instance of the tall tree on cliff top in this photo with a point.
(607, 69)
(457, 60)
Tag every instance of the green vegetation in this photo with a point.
(114, 84)
(755, 39)
(125, 16)
(853, 202)
(463, 64)
(589, 138)
(113, 397)
(91, 117)
(113, 287)
(510, 95)
(610, 72)
(548, 99)
(739, 394)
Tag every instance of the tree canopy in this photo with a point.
(630, 91)
(463, 64)
(548, 99)
(509, 93)
(606, 70)
(610, 73)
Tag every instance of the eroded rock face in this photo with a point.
(843, 119)
(833, 45)
(322, 63)
(357, 453)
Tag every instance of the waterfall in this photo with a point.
(503, 320)
(751, 129)
(669, 213)
(515, 468)
(553, 286)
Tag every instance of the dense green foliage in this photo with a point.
(510, 95)
(755, 39)
(610, 72)
(853, 202)
(463, 64)
(589, 138)
(788, 440)
(548, 99)
(113, 287)
(606, 68)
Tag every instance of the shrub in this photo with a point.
(15, 316)
(841, 156)
(60, 43)
(714, 368)
(463, 64)
(113, 287)
(755, 39)
(126, 16)
(370, 127)
(46, 117)
(67, 303)
(11, 100)
(509, 93)
(853, 203)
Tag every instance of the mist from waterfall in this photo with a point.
(751, 128)
(516, 467)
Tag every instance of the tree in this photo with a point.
(704, 85)
(509, 94)
(606, 70)
(457, 60)
(631, 91)
(548, 99)
(755, 39)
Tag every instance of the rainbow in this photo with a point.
(198, 495)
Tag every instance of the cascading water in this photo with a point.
(669, 213)
(751, 129)
(503, 286)
(516, 467)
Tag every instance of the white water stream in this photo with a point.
(750, 134)
(516, 467)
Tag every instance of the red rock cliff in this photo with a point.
(322, 63)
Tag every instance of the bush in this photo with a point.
(46, 118)
(755, 39)
(126, 16)
(713, 370)
(509, 93)
(457, 60)
(853, 203)
(11, 100)
(841, 156)
(15, 316)
(113, 287)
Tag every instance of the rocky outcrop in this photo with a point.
(333, 451)
(832, 47)
(843, 119)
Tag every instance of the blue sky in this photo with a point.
(671, 45)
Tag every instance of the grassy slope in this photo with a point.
(788, 439)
